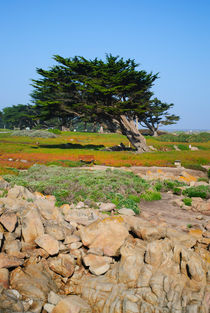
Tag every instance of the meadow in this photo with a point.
(18, 152)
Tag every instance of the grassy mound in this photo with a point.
(34, 133)
(73, 185)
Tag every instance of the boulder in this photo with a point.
(107, 234)
(64, 265)
(4, 278)
(55, 230)
(72, 304)
(32, 226)
(48, 243)
(107, 207)
(7, 261)
(9, 221)
(98, 265)
(125, 211)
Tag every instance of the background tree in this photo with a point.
(157, 114)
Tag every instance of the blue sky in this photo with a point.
(169, 37)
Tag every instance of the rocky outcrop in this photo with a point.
(79, 260)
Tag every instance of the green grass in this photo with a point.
(71, 185)
(198, 191)
(151, 195)
(187, 201)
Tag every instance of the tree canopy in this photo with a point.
(113, 91)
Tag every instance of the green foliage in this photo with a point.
(196, 167)
(183, 147)
(74, 185)
(33, 133)
(204, 179)
(159, 186)
(184, 137)
(189, 225)
(208, 173)
(151, 195)
(55, 131)
(198, 191)
(172, 184)
(177, 191)
(187, 201)
(66, 163)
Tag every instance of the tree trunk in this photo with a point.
(130, 130)
(155, 133)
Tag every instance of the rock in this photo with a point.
(48, 210)
(7, 261)
(32, 282)
(80, 205)
(49, 307)
(125, 211)
(12, 247)
(55, 230)
(71, 239)
(48, 243)
(108, 235)
(64, 265)
(72, 304)
(20, 192)
(53, 297)
(98, 265)
(32, 226)
(9, 221)
(4, 278)
(9, 303)
(107, 207)
(75, 245)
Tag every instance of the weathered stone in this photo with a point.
(108, 234)
(20, 192)
(48, 243)
(125, 211)
(55, 230)
(75, 245)
(9, 220)
(32, 226)
(54, 298)
(7, 261)
(71, 239)
(49, 307)
(48, 210)
(4, 278)
(98, 265)
(107, 207)
(64, 265)
(72, 304)
(32, 282)
(12, 247)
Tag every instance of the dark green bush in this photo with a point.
(177, 191)
(151, 195)
(55, 131)
(198, 191)
(187, 201)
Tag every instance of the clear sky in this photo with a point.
(171, 37)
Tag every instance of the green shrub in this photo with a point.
(177, 191)
(205, 179)
(189, 225)
(208, 173)
(33, 133)
(151, 195)
(198, 191)
(196, 167)
(187, 201)
(183, 147)
(55, 131)
(158, 186)
(184, 137)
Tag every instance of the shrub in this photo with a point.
(208, 173)
(196, 167)
(205, 179)
(198, 191)
(151, 195)
(187, 201)
(55, 131)
(177, 191)
(33, 133)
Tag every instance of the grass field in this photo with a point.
(66, 149)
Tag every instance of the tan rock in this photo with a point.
(12, 247)
(71, 239)
(32, 226)
(64, 265)
(48, 243)
(48, 210)
(98, 265)
(20, 192)
(4, 278)
(125, 211)
(9, 221)
(108, 234)
(55, 230)
(34, 282)
(7, 261)
(72, 304)
(107, 207)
